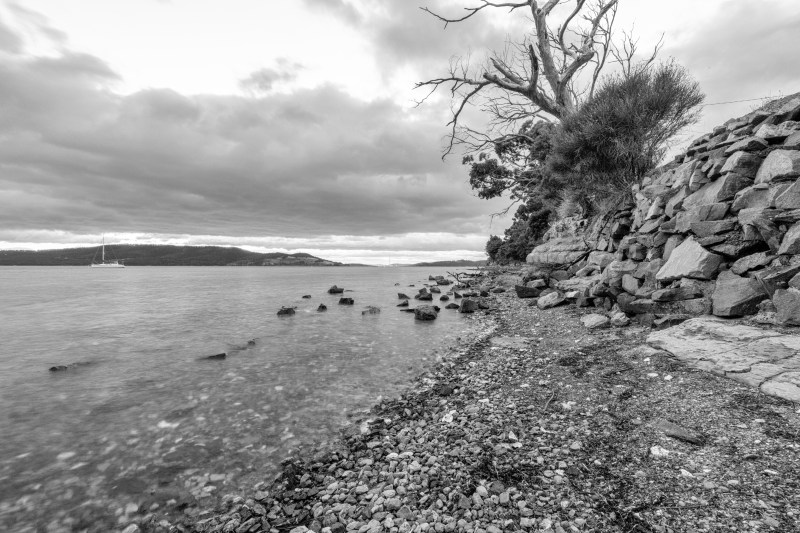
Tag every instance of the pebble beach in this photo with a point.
(536, 423)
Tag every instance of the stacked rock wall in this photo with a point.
(716, 231)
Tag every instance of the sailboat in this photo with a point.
(103, 263)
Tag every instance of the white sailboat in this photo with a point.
(103, 263)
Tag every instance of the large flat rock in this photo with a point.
(766, 359)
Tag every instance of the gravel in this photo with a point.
(539, 425)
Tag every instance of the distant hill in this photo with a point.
(457, 263)
(159, 255)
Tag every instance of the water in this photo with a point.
(143, 420)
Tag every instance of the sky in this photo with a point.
(293, 126)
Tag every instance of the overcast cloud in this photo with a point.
(294, 156)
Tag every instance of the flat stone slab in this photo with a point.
(761, 358)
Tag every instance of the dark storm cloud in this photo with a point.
(75, 156)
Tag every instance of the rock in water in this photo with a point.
(335, 290)
(307, 296)
(286, 311)
(468, 306)
(371, 310)
(402, 296)
(322, 307)
(444, 298)
(346, 301)
(404, 303)
(425, 312)
(451, 306)
(216, 356)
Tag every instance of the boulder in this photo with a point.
(527, 292)
(635, 306)
(690, 260)
(550, 300)
(789, 198)
(404, 303)
(425, 313)
(323, 307)
(743, 163)
(791, 241)
(700, 213)
(792, 142)
(675, 294)
(777, 132)
(468, 306)
(751, 262)
(595, 321)
(306, 296)
(335, 290)
(795, 282)
(424, 296)
(787, 303)
(749, 144)
(451, 306)
(444, 298)
(707, 228)
(402, 296)
(620, 319)
(559, 252)
(346, 301)
(601, 259)
(215, 357)
(736, 296)
(371, 310)
(720, 190)
(286, 311)
(776, 276)
(779, 165)
(536, 284)
(630, 284)
(751, 197)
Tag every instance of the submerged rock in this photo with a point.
(468, 306)
(425, 312)
(371, 310)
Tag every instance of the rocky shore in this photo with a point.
(540, 424)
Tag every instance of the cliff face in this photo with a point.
(716, 231)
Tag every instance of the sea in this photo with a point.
(143, 421)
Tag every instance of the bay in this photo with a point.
(141, 419)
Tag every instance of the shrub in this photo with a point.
(620, 134)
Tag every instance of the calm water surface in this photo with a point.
(144, 421)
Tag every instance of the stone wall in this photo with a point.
(715, 231)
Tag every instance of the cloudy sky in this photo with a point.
(291, 126)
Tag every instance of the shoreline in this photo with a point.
(540, 425)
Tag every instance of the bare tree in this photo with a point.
(531, 78)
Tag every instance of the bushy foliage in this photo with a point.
(531, 221)
(492, 246)
(622, 133)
